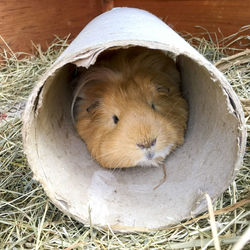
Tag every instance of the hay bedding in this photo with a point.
(29, 221)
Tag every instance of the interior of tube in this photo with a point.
(125, 199)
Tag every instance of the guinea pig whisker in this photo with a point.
(116, 170)
(118, 163)
(106, 154)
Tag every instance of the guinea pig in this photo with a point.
(130, 109)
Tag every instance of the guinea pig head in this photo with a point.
(130, 119)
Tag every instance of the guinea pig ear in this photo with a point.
(93, 106)
(78, 98)
(163, 89)
(76, 103)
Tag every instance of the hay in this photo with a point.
(29, 221)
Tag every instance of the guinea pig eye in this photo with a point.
(92, 106)
(153, 106)
(163, 89)
(115, 119)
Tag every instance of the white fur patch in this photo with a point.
(144, 162)
(164, 152)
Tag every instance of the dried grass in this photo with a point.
(29, 221)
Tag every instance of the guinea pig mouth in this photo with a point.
(152, 158)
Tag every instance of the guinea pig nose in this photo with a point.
(150, 155)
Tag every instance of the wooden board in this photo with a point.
(184, 15)
(24, 21)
